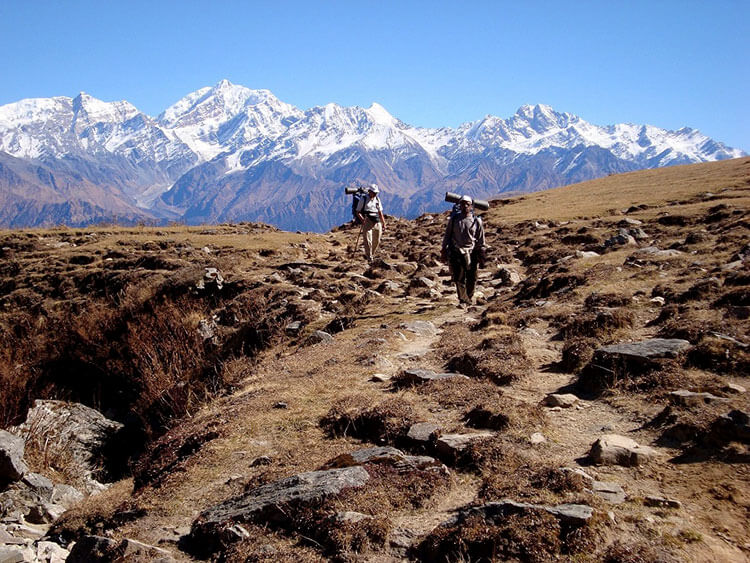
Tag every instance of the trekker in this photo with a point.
(464, 249)
(370, 213)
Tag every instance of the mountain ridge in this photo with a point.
(224, 139)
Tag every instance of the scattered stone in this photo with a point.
(611, 492)
(735, 425)
(658, 300)
(661, 502)
(507, 276)
(262, 460)
(51, 552)
(621, 239)
(380, 378)
(451, 446)
(647, 349)
(686, 398)
(585, 254)
(280, 405)
(66, 495)
(537, 438)
(655, 252)
(98, 548)
(629, 222)
(734, 388)
(423, 433)
(422, 328)
(39, 484)
(613, 449)
(351, 517)
(293, 328)
(565, 400)
(12, 466)
(44, 513)
(207, 330)
(211, 279)
(318, 337)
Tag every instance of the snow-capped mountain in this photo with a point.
(230, 153)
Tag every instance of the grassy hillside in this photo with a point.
(221, 393)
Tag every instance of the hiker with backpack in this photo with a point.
(463, 249)
(369, 212)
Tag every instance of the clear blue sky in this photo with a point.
(430, 63)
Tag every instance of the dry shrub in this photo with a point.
(621, 552)
(500, 357)
(597, 325)
(524, 479)
(506, 413)
(168, 453)
(385, 423)
(577, 353)
(105, 510)
(720, 355)
(612, 300)
(460, 393)
(533, 537)
(269, 546)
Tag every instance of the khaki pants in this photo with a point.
(372, 231)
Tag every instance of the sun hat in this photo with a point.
(467, 199)
(373, 188)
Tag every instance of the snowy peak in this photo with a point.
(92, 110)
(217, 104)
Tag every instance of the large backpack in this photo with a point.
(359, 195)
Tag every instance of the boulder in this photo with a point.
(12, 465)
(613, 449)
(735, 425)
(79, 431)
(661, 502)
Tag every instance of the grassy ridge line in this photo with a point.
(652, 187)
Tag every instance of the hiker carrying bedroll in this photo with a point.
(463, 249)
(370, 213)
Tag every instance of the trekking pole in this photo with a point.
(356, 244)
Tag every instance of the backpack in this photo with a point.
(359, 195)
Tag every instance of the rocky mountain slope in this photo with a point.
(273, 397)
(228, 153)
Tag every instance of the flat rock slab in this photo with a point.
(422, 328)
(267, 503)
(686, 398)
(421, 376)
(451, 446)
(613, 449)
(383, 455)
(423, 432)
(653, 348)
(496, 512)
(611, 492)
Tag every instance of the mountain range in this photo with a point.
(229, 153)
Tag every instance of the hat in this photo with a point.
(373, 188)
(466, 198)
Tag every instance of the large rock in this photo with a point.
(451, 447)
(613, 449)
(272, 502)
(629, 360)
(686, 398)
(496, 512)
(12, 466)
(410, 377)
(76, 430)
(385, 455)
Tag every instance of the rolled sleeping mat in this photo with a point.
(478, 203)
(351, 190)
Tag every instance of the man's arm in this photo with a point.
(446, 240)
